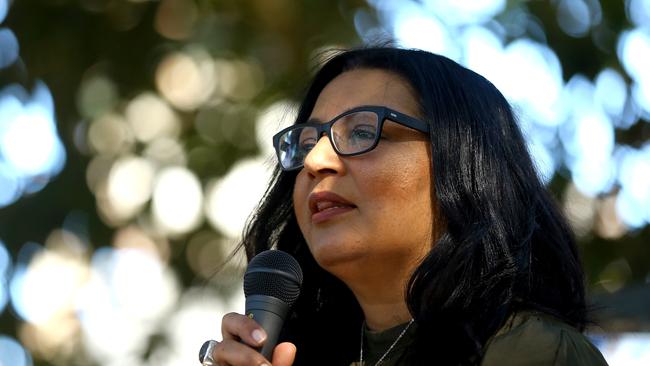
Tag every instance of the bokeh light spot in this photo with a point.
(633, 202)
(231, 200)
(628, 349)
(458, 13)
(12, 353)
(609, 225)
(46, 287)
(272, 119)
(10, 185)
(198, 317)
(592, 165)
(4, 9)
(611, 93)
(151, 118)
(544, 160)
(175, 19)
(634, 47)
(177, 200)
(630, 210)
(483, 53)
(186, 79)
(238, 80)
(97, 95)
(5, 260)
(634, 51)
(413, 29)
(97, 173)
(134, 237)
(615, 275)
(205, 253)
(128, 291)
(30, 142)
(30, 149)
(5, 270)
(142, 287)
(129, 185)
(110, 134)
(573, 16)
(9, 48)
(533, 81)
(165, 152)
(580, 210)
(638, 11)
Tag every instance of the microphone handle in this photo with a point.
(269, 312)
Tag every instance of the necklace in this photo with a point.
(381, 359)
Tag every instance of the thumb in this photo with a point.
(284, 354)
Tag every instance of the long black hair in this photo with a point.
(502, 244)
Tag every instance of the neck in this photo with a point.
(380, 289)
(383, 302)
(384, 316)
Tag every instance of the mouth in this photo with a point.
(325, 205)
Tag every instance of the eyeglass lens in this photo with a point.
(351, 134)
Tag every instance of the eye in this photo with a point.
(363, 132)
(307, 144)
(307, 139)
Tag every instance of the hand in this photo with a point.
(240, 336)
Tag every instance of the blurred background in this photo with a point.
(135, 140)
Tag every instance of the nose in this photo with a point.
(323, 160)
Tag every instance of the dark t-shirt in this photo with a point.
(527, 338)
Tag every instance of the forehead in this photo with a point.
(365, 87)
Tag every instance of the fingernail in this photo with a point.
(258, 336)
(264, 364)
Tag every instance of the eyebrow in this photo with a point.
(314, 120)
(318, 120)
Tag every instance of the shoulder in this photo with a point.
(532, 338)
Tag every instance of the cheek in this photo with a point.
(403, 178)
(300, 193)
(400, 193)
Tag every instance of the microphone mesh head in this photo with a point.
(273, 273)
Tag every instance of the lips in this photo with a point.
(326, 205)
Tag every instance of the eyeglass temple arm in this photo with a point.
(406, 120)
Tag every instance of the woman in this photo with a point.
(406, 193)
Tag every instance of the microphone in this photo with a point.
(271, 286)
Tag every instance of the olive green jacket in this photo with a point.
(527, 338)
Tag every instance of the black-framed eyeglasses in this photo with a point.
(353, 132)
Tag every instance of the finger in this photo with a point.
(240, 327)
(284, 354)
(232, 352)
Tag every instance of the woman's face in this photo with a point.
(373, 210)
